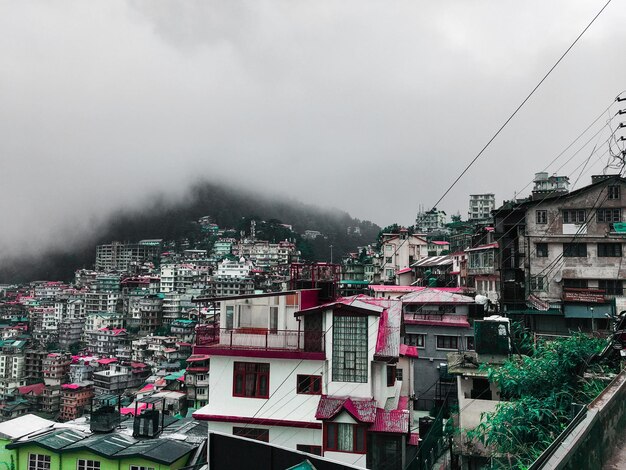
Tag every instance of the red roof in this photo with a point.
(439, 242)
(395, 421)
(198, 357)
(388, 340)
(107, 360)
(35, 389)
(405, 270)
(70, 386)
(458, 321)
(483, 247)
(408, 351)
(363, 410)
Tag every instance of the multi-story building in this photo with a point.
(98, 302)
(197, 380)
(233, 278)
(51, 399)
(430, 221)
(399, 251)
(56, 367)
(120, 378)
(145, 313)
(561, 256)
(265, 254)
(480, 206)
(12, 370)
(33, 364)
(96, 321)
(106, 341)
(436, 322)
(155, 350)
(119, 256)
(75, 400)
(328, 379)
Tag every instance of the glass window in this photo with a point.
(537, 283)
(613, 192)
(541, 217)
(309, 384)
(542, 250)
(575, 250)
(138, 467)
(608, 250)
(415, 340)
(252, 433)
(88, 465)
(575, 283)
(611, 286)
(309, 449)
(470, 343)
(38, 462)
(350, 362)
(447, 342)
(343, 437)
(609, 215)
(391, 375)
(574, 216)
(251, 380)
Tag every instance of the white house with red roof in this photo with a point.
(331, 379)
(399, 251)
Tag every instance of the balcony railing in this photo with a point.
(261, 338)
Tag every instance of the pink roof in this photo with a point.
(198, 357)
(436, 296)
(169, 350)
(361, 409)
(388, 340)
(70, 386)
(408, 351)
(437, 242)
(414, 439)
(147, 388)
(35, 389)
(403, 271)
(395, 421)
(131, 409)
(116, 331)
(385, 288)
(107, 360)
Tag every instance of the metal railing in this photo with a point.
(262, 338)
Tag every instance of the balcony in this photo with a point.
(261, 342)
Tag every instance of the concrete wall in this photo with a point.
(590, 445)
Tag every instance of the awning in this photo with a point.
(596, 311)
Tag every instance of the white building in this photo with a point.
(399, 251)
(327, 379)
(480, 206)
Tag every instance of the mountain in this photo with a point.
(229, 208)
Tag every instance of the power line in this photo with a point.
(471, 163)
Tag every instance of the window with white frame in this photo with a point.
(613, 192)
(38, 462)
(415, 340)
(350, 363)
(574, 216)
(447, 342)
(541, 217)
(538, 283)
(82, 464)
(137, 467)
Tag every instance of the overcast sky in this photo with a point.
(371, 107)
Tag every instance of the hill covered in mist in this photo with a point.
(176, 221)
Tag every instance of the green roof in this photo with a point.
(55, 440)
(534, 311)
(357, 283)
(175, 375)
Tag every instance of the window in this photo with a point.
(350, 362)
(470, 343)
(611, 286)
(391, 375)
(415, 340)
(388, 259)
(38, 462)
(342, 437)
(252, 433)
(447, 342)
(542, 250)
(251, 380)
(575, 283)
(389, 273)
(399, 374)
(309, 449)
(609, 215)
(541, 217)
(609, 250)
(88, 464)
(138, 467)
(574, 216)
(613, 192)
(309, 384)
(575, 250)
(538, 283)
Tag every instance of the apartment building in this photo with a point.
(327, 379)
(75, 400)
(480, 206)
(120, 256)
(56, 367)
(399, 251)
(12, 370)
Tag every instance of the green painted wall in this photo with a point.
(6, 454)
(126, 463)
(23, 452)
(70, 460)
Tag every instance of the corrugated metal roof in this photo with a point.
(433, 261)
(435, 296)
(363, 410)
(388, 340)
(53, 440)
(164, 451)
(395, 421)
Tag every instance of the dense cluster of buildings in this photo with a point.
(344, 362)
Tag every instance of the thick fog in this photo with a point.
(371, 107)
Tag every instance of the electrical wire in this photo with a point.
(471, 163)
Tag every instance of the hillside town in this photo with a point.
(167, 355)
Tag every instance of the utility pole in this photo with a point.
(331, 254)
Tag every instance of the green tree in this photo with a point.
(538, 391)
